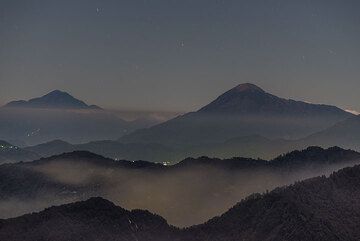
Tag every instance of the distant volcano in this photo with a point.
(55, 99)
(250, 99)
(244, 110)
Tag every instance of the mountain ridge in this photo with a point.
(249, 98)
(242, 111)
(10, 153)
(55, 99)
(345, 134)
(297, 157)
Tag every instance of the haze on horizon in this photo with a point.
(178, 55)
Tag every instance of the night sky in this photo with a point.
(180, 54)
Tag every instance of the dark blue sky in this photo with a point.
(180, 54)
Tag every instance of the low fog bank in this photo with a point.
(184, 196)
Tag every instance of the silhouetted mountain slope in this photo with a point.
(10, 153)
(34, 125)
(242, 111)
(320, 208)
(95, 219)
(54, 99)
(316, 209)
(204, 186)
(297, 159)
(51, 148)
(58, 115)
(112, 149)
(4, 144)
(250, 99)
(247, 146)
(23, 182)
(91, 158)
(312, 158)
(345, 134)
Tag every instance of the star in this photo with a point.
(331, 51)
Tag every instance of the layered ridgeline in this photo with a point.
(58, 115)
(113, 149)
(247, 146)
(345, 134)
(245, 110)
(10, 153)
(93, 220)
(316, 209)
(245, 121)
(204, 187)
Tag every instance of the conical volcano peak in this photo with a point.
(248, 87)
(58, 92)
(59, 95)
(55, 99)
(250, 99)
(243, 98)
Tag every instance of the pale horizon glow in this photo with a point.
(353, 112)
(179, 55)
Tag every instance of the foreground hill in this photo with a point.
(245, 110)
(93, 220)
(316, 209)
(320, 208)
(205, 187)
